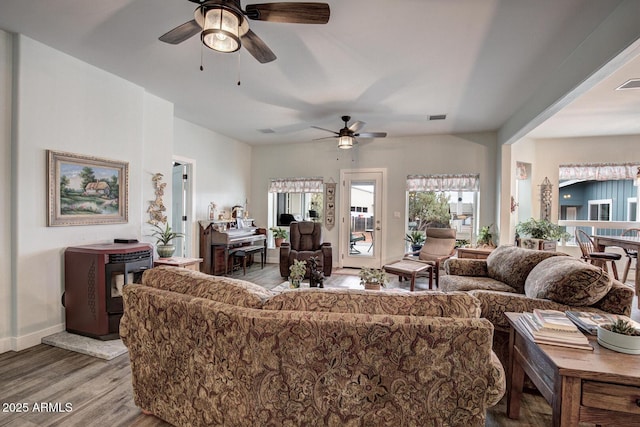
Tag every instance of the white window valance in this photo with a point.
(296, 185)
(599, 171)
(444, 182)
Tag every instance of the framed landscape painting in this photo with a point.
(86, 190)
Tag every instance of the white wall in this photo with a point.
(401, 156)
(222, 173)
(5, 190)
(64, 104)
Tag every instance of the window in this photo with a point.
(632, 208)
(295, 199)
(447, 199)
(600, 210)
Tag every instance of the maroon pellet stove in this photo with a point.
(94, 278)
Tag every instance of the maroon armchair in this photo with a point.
(305, 241)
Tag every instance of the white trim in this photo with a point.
(631, 200)
(600, 202)
(29, 340)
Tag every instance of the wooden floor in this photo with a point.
(48, 379)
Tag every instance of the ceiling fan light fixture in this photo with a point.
(345, 142)
(220, 28)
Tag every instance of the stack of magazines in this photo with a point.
(588, 321)
(553, 327)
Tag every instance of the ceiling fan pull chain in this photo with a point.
(201, 54)
(238, 69)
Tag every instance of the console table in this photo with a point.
(600, 387)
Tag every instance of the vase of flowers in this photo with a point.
(373, 278)
(297, 270)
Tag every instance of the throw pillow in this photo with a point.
(568, 281)
(512, 265)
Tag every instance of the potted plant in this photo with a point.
(297, 270)
(620, 336)
(539, 234)
(485, 237)
(279, 235)
(416, 238)
(164, 237)
(373, 278)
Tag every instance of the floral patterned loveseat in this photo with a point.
(514, 279)
(209, 350)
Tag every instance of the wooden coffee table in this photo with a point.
(601, 387)
(409, 270)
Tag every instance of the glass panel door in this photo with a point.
(361, 223)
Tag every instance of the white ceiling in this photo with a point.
(387, 63)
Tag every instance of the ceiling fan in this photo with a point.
(347, 135)
(223, 25)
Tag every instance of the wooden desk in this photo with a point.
(599, 387)
(474, 253)
(188, 263)
(624, 242)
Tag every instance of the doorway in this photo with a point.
(361, 224)
(182, 205)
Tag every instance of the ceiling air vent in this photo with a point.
(438, 117)
(266, 131)
(630, 84)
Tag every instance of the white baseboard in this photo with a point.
(29, 340)
(5, 345)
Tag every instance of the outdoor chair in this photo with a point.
(631, 253)
(352, 242)
(590, 255)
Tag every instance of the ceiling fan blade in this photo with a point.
(371, 134)
(296, 13)
(326, 137)
(328, 130)
(181, 33)
(257, 48)
(356, 126)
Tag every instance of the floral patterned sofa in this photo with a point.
(209, 350)
(514, 279)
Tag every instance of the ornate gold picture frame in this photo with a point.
(85, 190)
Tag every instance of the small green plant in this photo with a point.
(373, 275)
(164, 235)
(298, 269)
(622, 327)
(416, 237)
(541, 229)
(279, 233)
(485, 236)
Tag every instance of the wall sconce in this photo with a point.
(566, 196)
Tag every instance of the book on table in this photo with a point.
(589, 321)
(569, 337)
(553, 319)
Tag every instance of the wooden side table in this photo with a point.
(188, 263)
(474, 253)
(600, 387)
(408, 269)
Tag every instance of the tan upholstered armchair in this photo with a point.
(305, 242)
(439, 245)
